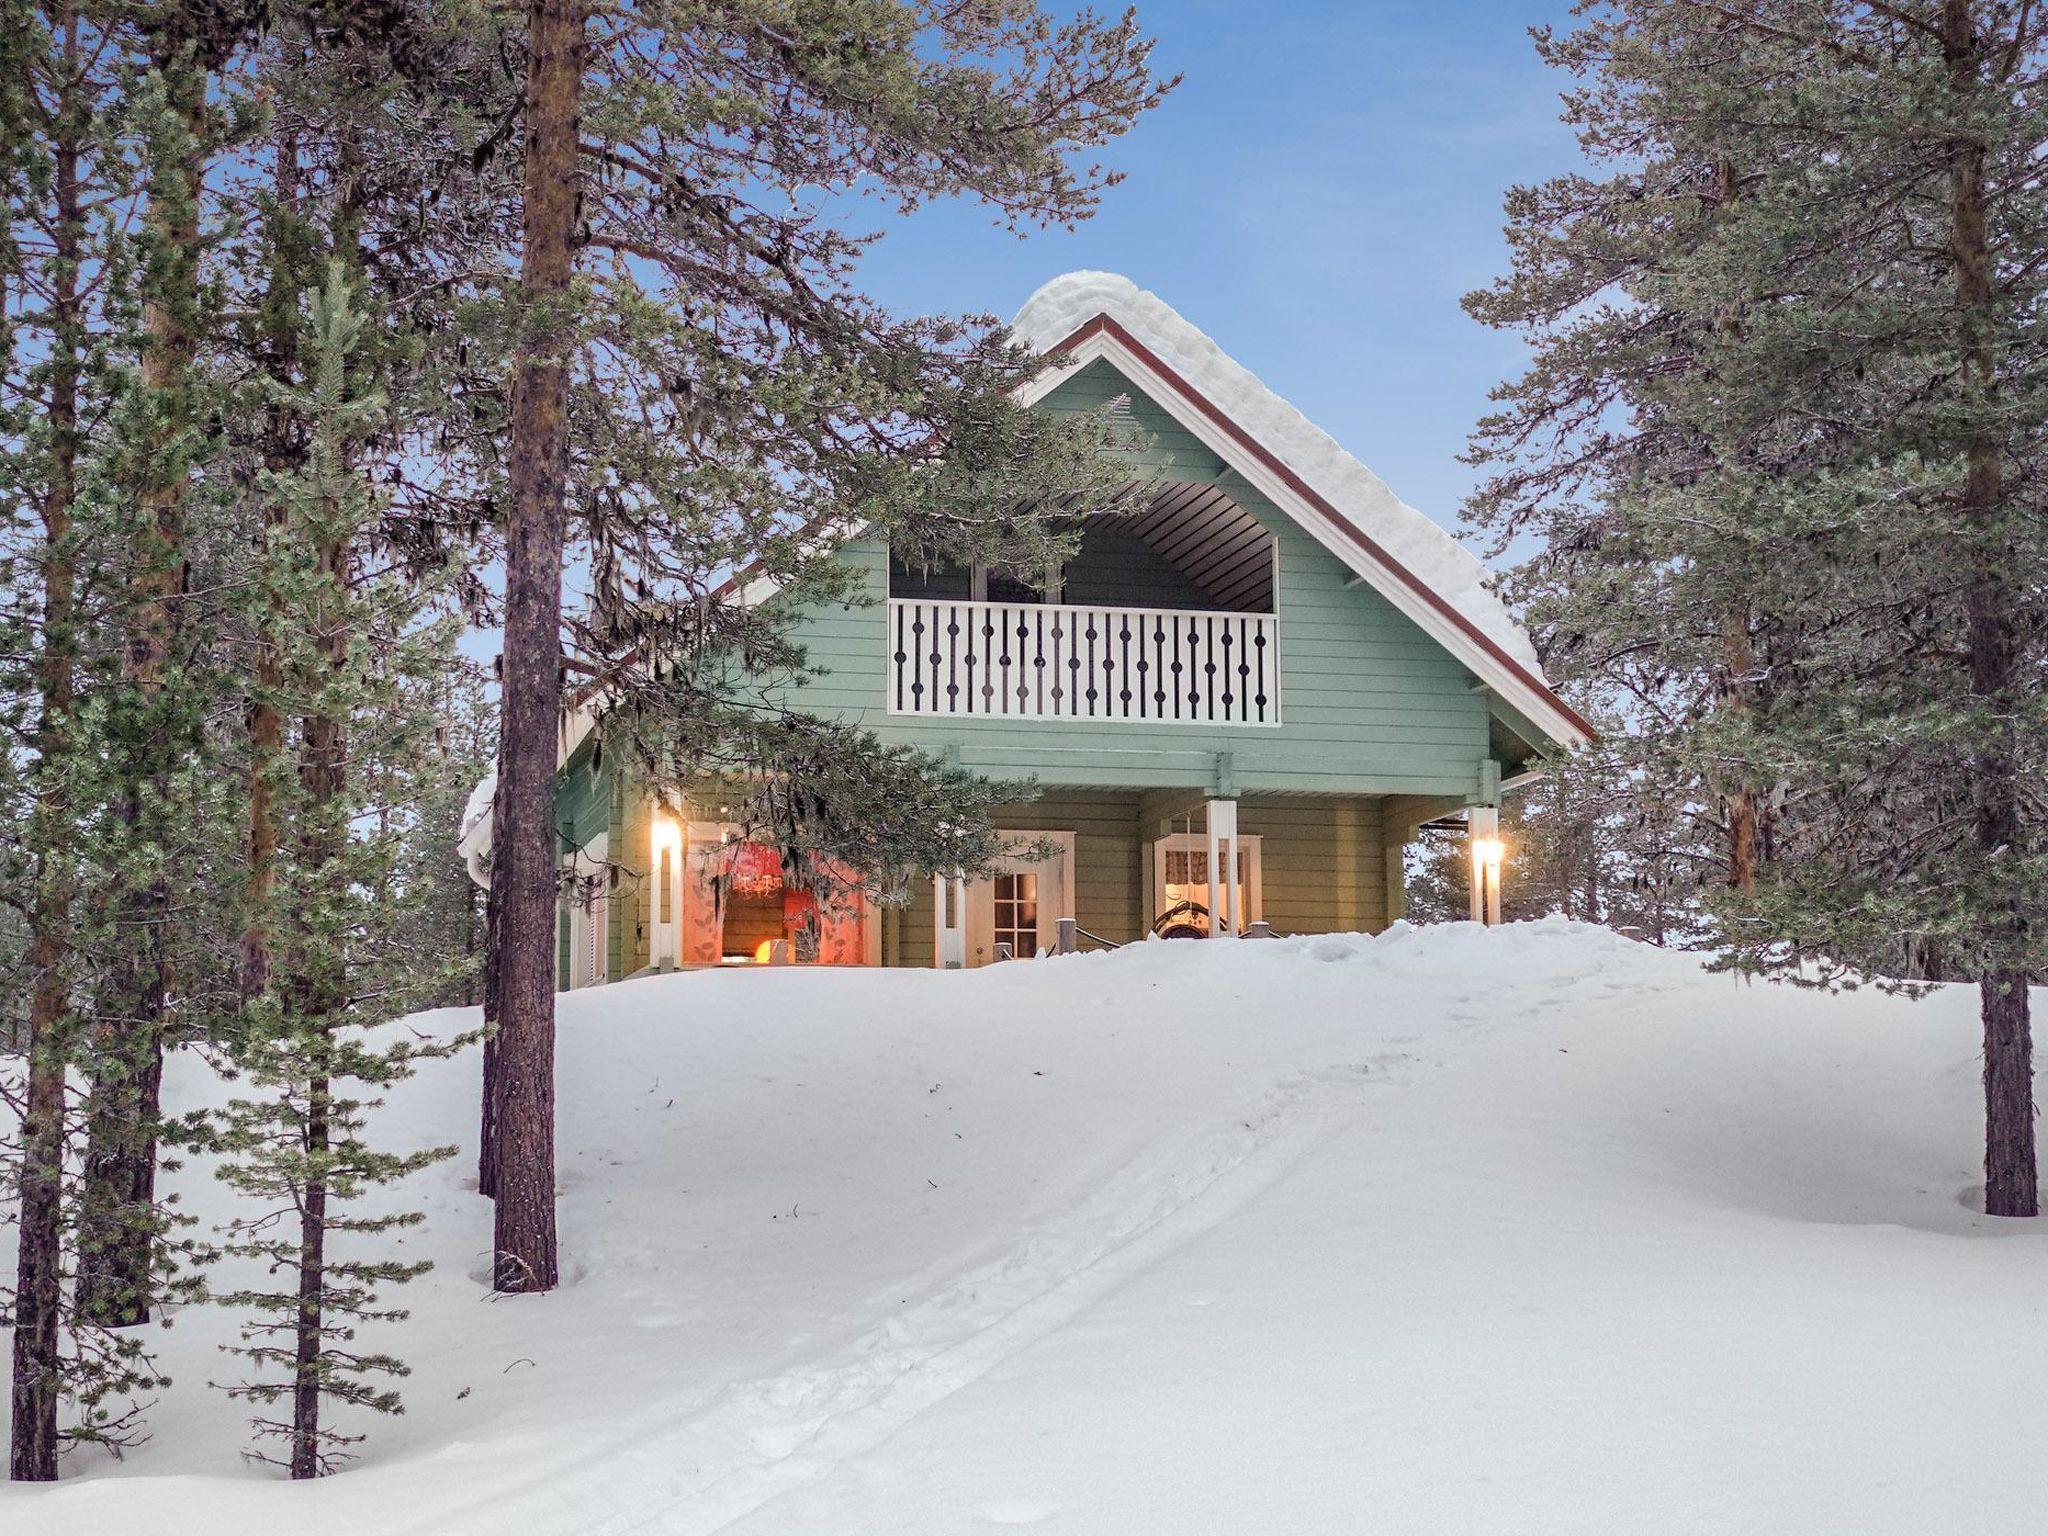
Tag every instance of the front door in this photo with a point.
(1020, 905)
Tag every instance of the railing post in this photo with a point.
(1069, 940)
(1003, 951)
(1258, 930)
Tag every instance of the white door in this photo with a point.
(1021, 905)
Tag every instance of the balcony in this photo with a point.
(1055, 661)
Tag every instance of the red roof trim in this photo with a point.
(1104, 324)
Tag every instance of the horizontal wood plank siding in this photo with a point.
(1108, 872)
(1322, 866)
(1368, 702)
(1323, 869)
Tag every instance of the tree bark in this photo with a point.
(487, 1132)
(37, 1375)
(323, 775)
(523, 862)
(310, 1338)
(1737, 656)
(2010, 1177)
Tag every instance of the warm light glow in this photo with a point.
(667, 833)
(1488, 851)
(763, 951)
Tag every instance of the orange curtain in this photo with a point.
(842, 923)
(701, 933)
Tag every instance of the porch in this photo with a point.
(1124, 860)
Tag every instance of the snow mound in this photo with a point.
(1067, 303)
(1516, 1229)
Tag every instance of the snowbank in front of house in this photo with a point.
(1449, 1231)
(1066, 303)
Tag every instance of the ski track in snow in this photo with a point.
(764, 1438)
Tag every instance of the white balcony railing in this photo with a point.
(1046, 661)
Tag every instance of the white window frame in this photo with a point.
(973, 942)
(1198, 842)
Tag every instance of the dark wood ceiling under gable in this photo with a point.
(1212, 541)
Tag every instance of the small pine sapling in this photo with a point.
(318, 1048)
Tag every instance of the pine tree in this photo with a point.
(352, 659)
(61, 389)
(52, 117)
(1609, 834)
(152, 716)
(685, 298)
(1850, 462)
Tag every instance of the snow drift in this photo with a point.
(1448, 1231)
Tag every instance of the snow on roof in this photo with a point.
(1066, 304)
(479, 805)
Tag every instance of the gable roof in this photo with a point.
(1397, 550)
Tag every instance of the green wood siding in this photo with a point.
(1323, 869)
(626, 942)
(1369, 703)
(1322, 866)
(583, 795)
(1117, 567)
(1113, 566)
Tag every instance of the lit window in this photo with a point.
(1182, 865)
(1017, 913)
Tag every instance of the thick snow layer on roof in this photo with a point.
(479, 805)
(1067, 303)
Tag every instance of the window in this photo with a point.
(1180, 867)
(1017, 913)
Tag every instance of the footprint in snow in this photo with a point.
(1015, 1512)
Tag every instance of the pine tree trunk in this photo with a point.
(2010, 1179)
(311, 1332)
(523, 840)
(115, 1280)
(38, 1299)
(487, 1131)
(1737, 658)
(116, 1287)
(321, 999)
(265, 720)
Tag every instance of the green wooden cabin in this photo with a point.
(1275, 667)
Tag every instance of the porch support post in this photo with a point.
(1482, 827)
(1224, 918)
(949, 911)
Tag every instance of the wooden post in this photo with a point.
(1259, 930)
(778, 952)
(949, 897)
(1482, 826)
(1224, 918)
(1069, 941)
(1003, 951)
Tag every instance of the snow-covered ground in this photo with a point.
(1530, 1230)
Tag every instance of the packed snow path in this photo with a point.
(1458, 1231)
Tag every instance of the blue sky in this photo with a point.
(1316, 196)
